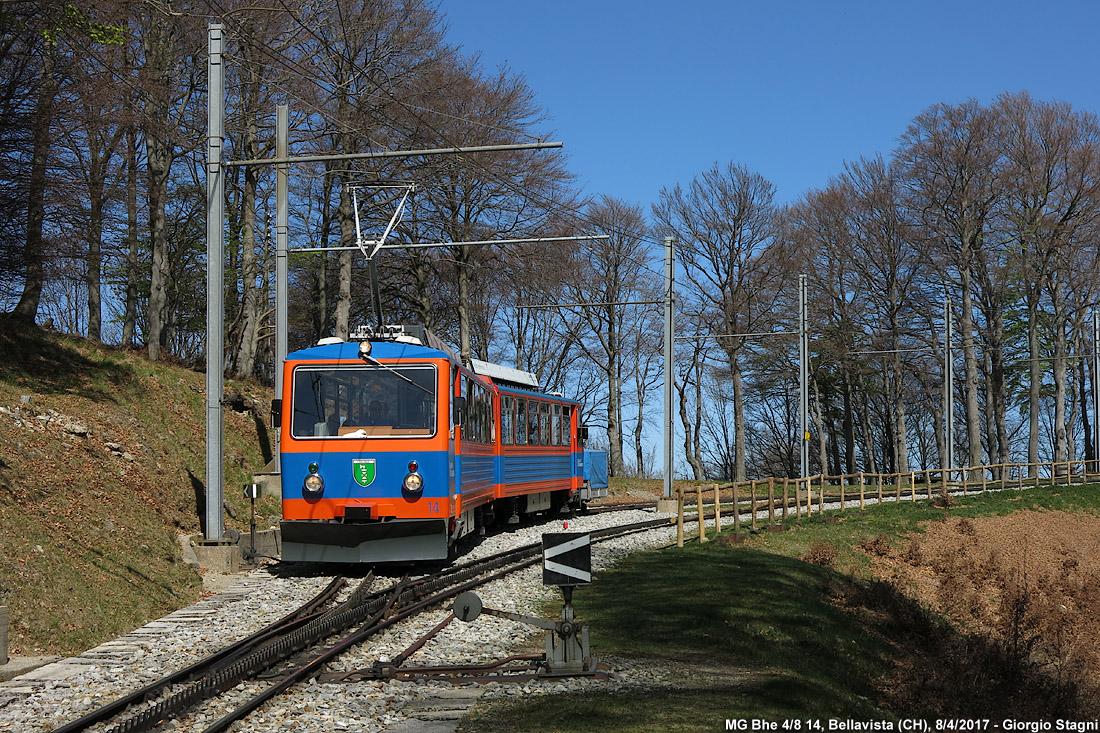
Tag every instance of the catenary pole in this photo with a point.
(803, 379)
(669, 323)
(282, 241)
(215, 307)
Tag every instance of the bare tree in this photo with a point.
(948, 163)
(724, 223)
(483, 196)
(610, 278)
(1051, 183)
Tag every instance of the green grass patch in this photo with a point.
(756, 631)
(743, 633)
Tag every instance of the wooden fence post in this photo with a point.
(878, 480)
(913, 484)
(699, 507)
(797, 499)
(736, 509)
(752, 501)
(821, 499)
(771, 500)
(680, 516)
(717, 511)
(861, 495)
(786, 495)
(928, 482)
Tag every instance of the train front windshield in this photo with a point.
(364, 401)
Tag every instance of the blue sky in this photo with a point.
(649, 94)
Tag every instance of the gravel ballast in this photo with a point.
(58, 693)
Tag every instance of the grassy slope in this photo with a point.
(88, 539)
(756, 631)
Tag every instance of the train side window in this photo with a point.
(521, 421)
(544, 420)
(555, 425)
(507, 419)
(533, 422)
(566, 425)
(480, 413)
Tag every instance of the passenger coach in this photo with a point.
(392, 450)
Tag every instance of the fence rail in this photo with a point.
(774, 495)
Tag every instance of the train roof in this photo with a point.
(505, 374)
(349, 351)
(557, 396)
(416, 342)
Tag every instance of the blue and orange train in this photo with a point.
(392, 450)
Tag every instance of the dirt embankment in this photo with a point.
(102, 461)
(1023, 594)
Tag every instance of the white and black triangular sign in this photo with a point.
(566, 558)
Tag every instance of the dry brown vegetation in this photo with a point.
(1022, 589)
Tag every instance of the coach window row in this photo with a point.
(479, 413)
(526, 421)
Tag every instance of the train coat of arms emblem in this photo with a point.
(363, 471)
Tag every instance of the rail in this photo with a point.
(782, 496)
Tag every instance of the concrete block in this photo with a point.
(267, 543)
(271, 484)
(218, 556)
(666, 506)
(17, 667)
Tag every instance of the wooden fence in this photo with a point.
(779, 497)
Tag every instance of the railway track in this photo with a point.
(302, 643)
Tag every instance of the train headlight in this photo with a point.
(414, 482)
(313, 483)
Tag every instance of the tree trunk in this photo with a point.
(129, 318)
(1035, 372)
(819, 425)
(614, 400)
(33, 249)
(997, 377)
(901, 442)
(159, 164)
(848, 424)
(739, 473)
(1061, 451)
(245, 359)
(639, 452)
(870, 457)
(689, 432)
(970, 358)
(346, 217)
(1085, 369)
(158, 152)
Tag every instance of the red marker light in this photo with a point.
(565, 525)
